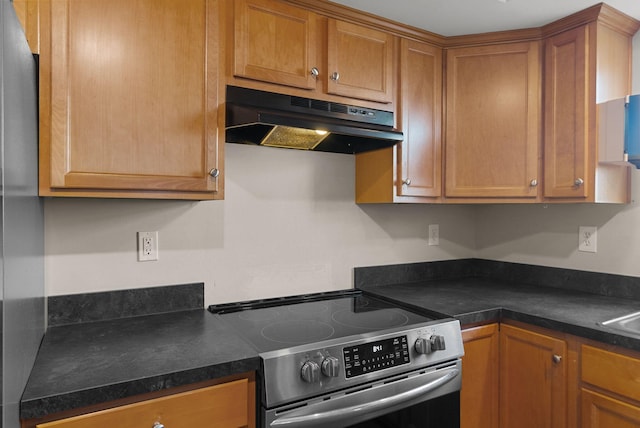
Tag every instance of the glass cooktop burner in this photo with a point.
(297, 322)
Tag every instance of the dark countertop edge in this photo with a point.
(591, 333)
(40, 407)
(499, 314)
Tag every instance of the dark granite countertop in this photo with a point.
(89, 363)
(477, 300)
(91, 357)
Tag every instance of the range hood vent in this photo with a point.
(277, 120)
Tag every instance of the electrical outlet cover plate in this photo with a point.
(434, 234)
(147, 246)
(588, 239)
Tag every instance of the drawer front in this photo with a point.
(224, 405)
(610, 371)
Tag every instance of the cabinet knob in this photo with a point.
(315, 72)
(556, 358)
(214, 173)
(335, 76)
(579, 182)
(533, 183)
(157, 425)
(407, 182)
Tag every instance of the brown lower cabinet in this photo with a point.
(610, 394)
(520, 376)
(533, 379)
(227, 405)
(480, 377)
(602, 411)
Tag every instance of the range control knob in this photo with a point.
(423, 346)
(331, 367)
(427, 346)
(310, 372)
(437, 343)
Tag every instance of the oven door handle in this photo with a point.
(377, 405)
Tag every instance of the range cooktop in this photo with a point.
(274, 324)
(317, 345)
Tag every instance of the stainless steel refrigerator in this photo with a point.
(22, 219)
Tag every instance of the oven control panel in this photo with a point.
(373, 356)
(318, 368)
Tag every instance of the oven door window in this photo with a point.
(441, 412)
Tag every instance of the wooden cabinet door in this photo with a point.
(533, 379)
(492, 138)
(360, 62)
(275, 42)
(420, 169)
(221, 406)
(567, 102)
(601, 411)
(479, 396)
(129, 96)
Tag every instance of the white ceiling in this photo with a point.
(456, 17)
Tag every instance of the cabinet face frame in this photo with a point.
(60, 175)
(469, 130)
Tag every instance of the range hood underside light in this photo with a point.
(294, 138)
(333, 142)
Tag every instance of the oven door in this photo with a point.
(427, 398)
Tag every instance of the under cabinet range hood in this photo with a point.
(278, 120)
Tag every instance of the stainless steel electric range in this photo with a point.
(348, 359)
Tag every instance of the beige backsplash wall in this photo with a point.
(548, 235)
(288, 225)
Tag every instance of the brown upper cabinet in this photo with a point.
(277, 42)
(129, 99)
(584, 66)
(412, 170)
(359, 62)
(493, 121)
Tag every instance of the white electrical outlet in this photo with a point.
(588, 239)
(147, 246)
(434, 234)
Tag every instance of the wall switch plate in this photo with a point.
(588, 239)
(434, 234)
(147, 246)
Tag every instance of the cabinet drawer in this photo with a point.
(610, 371)
(600, 411)
(224, 405)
